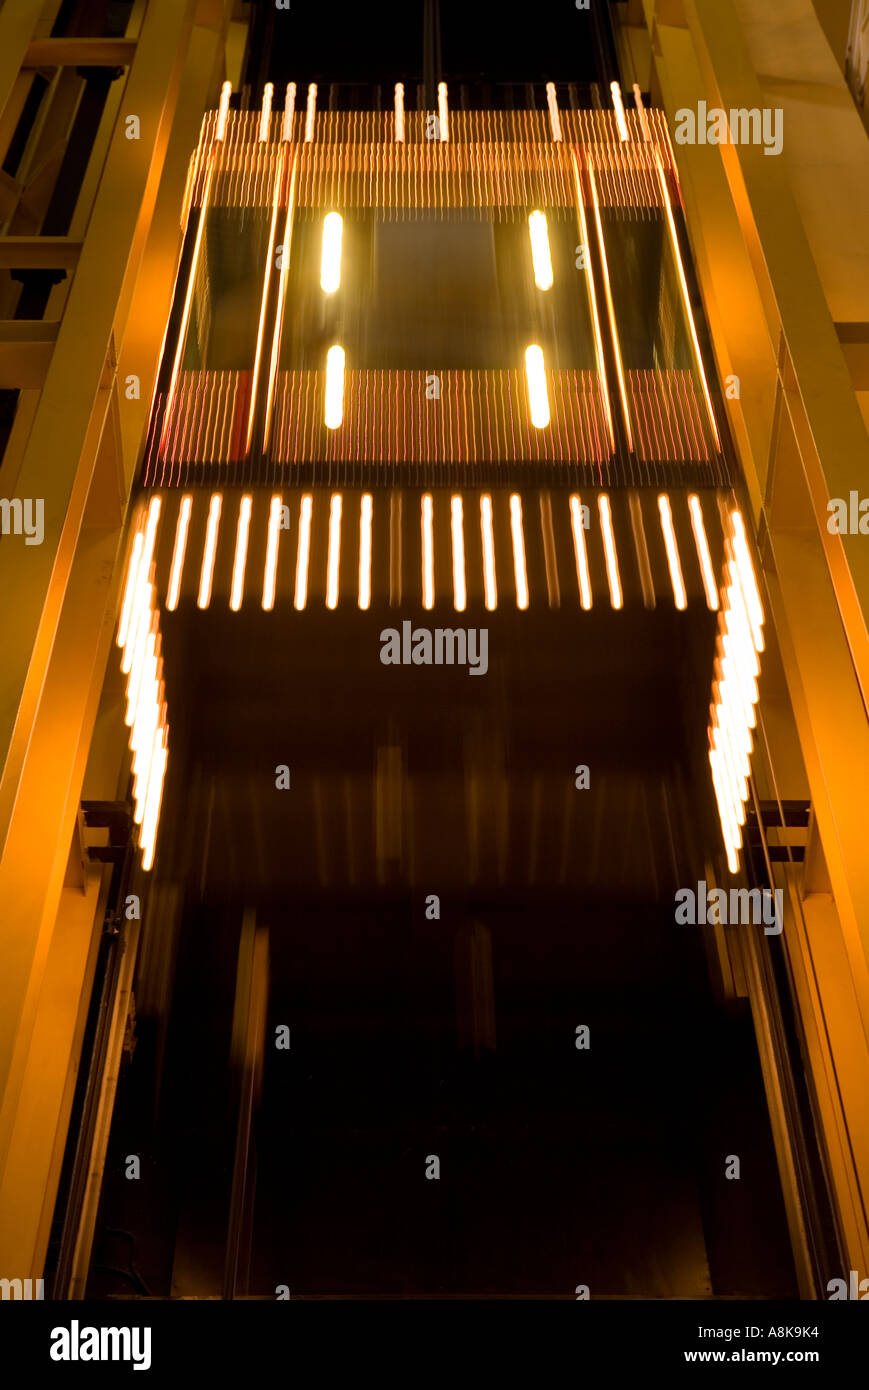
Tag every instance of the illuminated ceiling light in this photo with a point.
(609, 546)
(490, 587)
(140, 577)
(266, 116)
(334, 387)
(538, 399)
(541, 258)
(178, 553)
(289, 112)
(138, 654)
(614, 334)
(206, 577)
(222, 110)
(310, 112)
(621, 120)
(580, 552)
(709, 586)
(330, 258)
(152, 810)
(644, 120)
(519, 569)
(270, 575)
(334, 559)
(672, 548)
(301, 594)
(443, 112)
(747, 579)
(603, 385)
(366, 514)
(460, 593)
(240, 560)
(723, 810)
(554, 118)
(130, 587)
(427, 527)
(399, 111)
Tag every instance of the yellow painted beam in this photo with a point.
(71, 53)
(39, 252)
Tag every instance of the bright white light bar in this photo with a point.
(621, 120)
(709, 586)
(222, 110)
(206, 576)
(592, 299)
(366, 514)
(289, 112)
(427, 526)
(266, 115)
(301, 594)
(538, 398)
(178, 553)
(334, 387)
(330, 258)
(399, 110)
(270, 574)
(672, 549)
(580, 552)
(334, 560)
(311, 112)
(443, 112)
(518, 535)
(554, 118)
(460, 594)
(609, 546)
(541, 258)
(747, 580)
(130, 588)
(236, 593)
(490, 586)
(614, 333)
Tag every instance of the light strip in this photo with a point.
(188, 300)
(427, 526)
(399, 111)
(672, 548)
(621, 120)
(554, 118)
(366, 514)
(140, 577)
(206, 577)
(334, 409)
(580, 552)
(251, 414)
(330, 256)
(443, 112)
(279, 316)
(541, 257)
(609, 545)
(460, 593)
(538, 398)
(222, 110)
(301, 594)
(703, 555)
(519, 569)
(270, 574)
(289, 112)
(178, 553)
(612, 315)
(490, 585)
(603, 384)
(686, 300)
(747, 579)
(266, 116)
(239, 562)
(130, 588)
(334, 560)
(311, 112)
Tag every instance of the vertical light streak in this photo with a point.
(443, 112)
(366, 514)
(541, 257)
(240, 559)
(311, 112)
(519, 570)
(334, 558)
(178, 553)
(130, 588)
(330, 256)
(609, 546)
(580, 552)
(610, 308)
(301, 594)
(209, 553)
(487, 530)
(427, 528)
(152, 812)
(251, 413)
(279, 316)
(672, 549)
(460, 593)
(266, 115)
(554, 118)
(140, 577)
(618, 104)
(222, 110)
(745, 570)
(188, 301)
(270, 574)
(538, 398)
(289, 112)
(702, 544)
(686, 299)
(603, 384)
(399, 111)
(334, 407)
